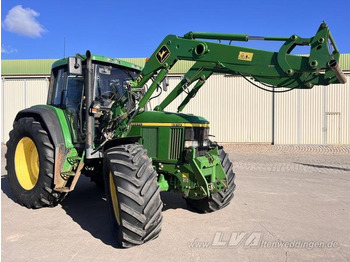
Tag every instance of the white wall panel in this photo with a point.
(237, 111)
(36, 92)
(311, 115)
(18, 94)
(320, 115)
(286, 118)
(338, 109)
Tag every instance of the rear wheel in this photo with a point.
(221, 199)
(132, 193)
(30, 165)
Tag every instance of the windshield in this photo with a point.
(110, 81)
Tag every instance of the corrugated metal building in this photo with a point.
(238, 112)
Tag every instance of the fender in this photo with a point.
(57, 127)
(50, 119)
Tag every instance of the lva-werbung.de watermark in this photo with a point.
(256, 240)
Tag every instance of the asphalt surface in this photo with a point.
(292, 203)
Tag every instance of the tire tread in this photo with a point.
(138, 194)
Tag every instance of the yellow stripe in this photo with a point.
(171, 124)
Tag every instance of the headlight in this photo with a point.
(189, 133)
(199, 136)
(189, 144)
(206, 134)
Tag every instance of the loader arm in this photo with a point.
(277, 69)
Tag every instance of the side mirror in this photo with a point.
(165, 84)
(75, 66)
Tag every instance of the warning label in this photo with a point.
(245, 56)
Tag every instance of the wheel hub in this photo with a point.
(27, 163)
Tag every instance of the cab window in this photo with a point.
(67, 90)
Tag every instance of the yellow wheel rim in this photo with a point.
(114, 198)
(27, 163)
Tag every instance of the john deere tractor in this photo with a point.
(97, 122)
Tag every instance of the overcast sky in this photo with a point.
(53, 29)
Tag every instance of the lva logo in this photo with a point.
(256, 240)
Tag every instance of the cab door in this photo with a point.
(66, 92)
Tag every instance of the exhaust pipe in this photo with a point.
(88, 100)
(334, 66)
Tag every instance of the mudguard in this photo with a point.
(50, 119)
(56, 124)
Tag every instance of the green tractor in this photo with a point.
(97, 122)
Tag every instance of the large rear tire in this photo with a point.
(221, 199)
(30, 165)
(133, 195)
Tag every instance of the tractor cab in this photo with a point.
(109, 84)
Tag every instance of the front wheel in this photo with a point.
(133, 195)
(30, 165)
(221, 199)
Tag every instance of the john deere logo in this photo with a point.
(163, 54)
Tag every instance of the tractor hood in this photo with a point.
(160, 118)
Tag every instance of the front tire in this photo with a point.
(133, 195)
(221, 199)
(30, 165)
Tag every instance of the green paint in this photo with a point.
(153, 87)
(150, 140)
(198, 178)
(167, 117)
(280, 69)
(218, 36)
(163, 133)
(63, 124)
(163, 184)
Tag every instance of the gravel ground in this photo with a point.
(292, 203)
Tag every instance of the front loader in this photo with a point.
(97, 122)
